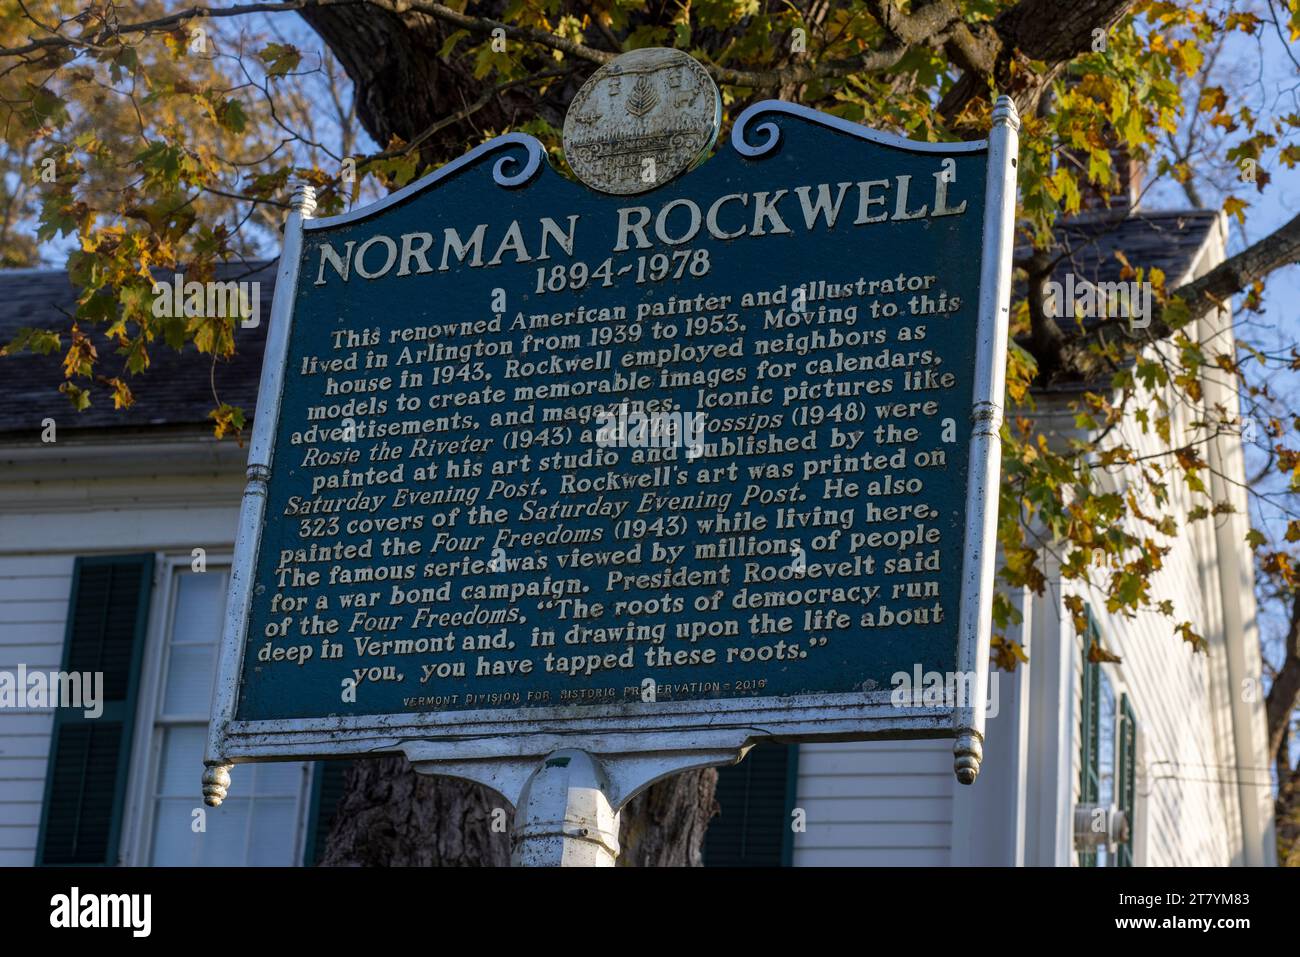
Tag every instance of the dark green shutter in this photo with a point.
(326, 791)
(756, 798)
(85, 780)
(1126, 778)
(1090, 734)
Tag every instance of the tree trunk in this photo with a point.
(389, 816)
(1287, 819)
(664, 825)
(1280, 705)
(403, 86)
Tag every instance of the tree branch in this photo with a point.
(1046, 338)
(869, 61)
(96, 39)
(1200, 296)
(1051, 31)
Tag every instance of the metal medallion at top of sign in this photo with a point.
(641, 119)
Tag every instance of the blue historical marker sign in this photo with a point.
(541, 466)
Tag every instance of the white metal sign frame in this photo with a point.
(635, 743)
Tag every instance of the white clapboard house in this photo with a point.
(97, 537)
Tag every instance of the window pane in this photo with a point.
(222, 844)
(274, 832)
(276, 779)
(245, 830)
(200, 601)
(190, 673)
(180, 773)
(195, 633)
(259, 823)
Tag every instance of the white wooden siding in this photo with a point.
(886, 803)
(34, 593)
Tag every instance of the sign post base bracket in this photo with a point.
(567, 806)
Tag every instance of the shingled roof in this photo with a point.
(176, 390)
(1168, 241)
(1087, 246)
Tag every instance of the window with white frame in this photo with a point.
(1105, 764)
(1108, 755)
(261, 821)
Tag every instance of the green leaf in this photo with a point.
(79, 397)
(449, 45)
(40, 341)
(229, 420)
(282, 58)
(231, 116)
(45, 108)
